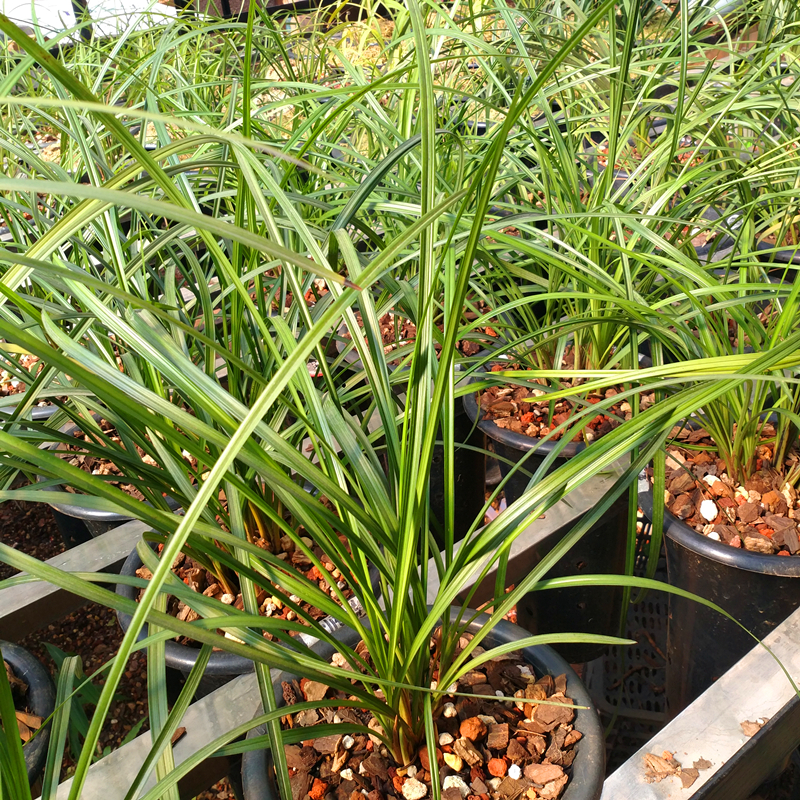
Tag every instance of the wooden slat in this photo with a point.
(27, 608)
(205, 720)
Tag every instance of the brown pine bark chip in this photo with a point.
(552, 790)
(517, 752)
(497, 737)
(682, 507)
(314, 690)
(300, 784)
(510, 788)
(474, 678)
(300, 758)
(178, 735)
(550, 715)
(30, 720)
(543, 773)
(682, 482)
(688, 776)
(657, 767)
(748, 512)
(25, 732)
(376, 766)
(464, 748)
(327, 744)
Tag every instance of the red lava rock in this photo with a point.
(318, 789)
(473, 729)
(397, 782)
(497, 767)
(476, 774)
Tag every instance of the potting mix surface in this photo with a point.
(761, 515)
(487, 748)
(509, 408)
(200, 580)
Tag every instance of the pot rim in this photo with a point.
(519, 441)
(778, 254)
(42, 701)
(182, 656)
(91, 514)
(735, 557)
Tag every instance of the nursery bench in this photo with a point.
(33, 606)
(754, 689)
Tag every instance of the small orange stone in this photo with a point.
(473, 729)
(497, 767)
(318, 789)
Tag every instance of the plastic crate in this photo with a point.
(627, 683)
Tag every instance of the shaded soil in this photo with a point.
(10, 383)
(398, 333)
(95, 465)
(91, 632)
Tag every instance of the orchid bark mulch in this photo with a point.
(509, 407)
(488, 749)
(761, 515)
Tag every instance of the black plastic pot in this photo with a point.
(37, 413)
(602, 550)
(78, 525)
(587, 771)
(759, 591)
(180, 658)
(41, 699)
(782, 262)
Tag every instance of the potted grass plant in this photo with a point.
(727, 493)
